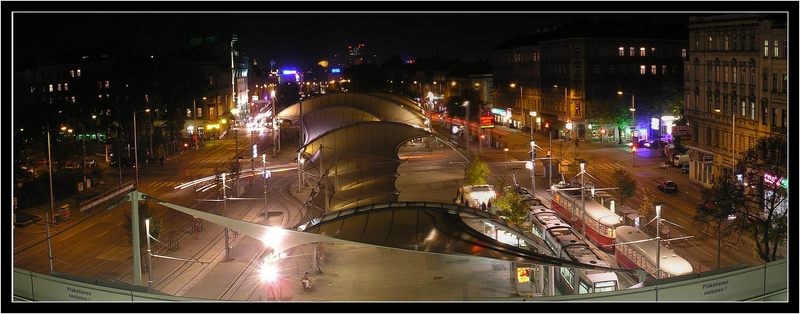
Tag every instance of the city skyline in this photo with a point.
(318, 36)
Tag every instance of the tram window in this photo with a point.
(604, 286)
(584, 288)
(566, 273)
(537, 232)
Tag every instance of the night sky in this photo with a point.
(289, 38)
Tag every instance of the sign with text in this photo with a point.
(487, 122)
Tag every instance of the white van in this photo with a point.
(679, 160)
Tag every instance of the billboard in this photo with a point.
(487, 122)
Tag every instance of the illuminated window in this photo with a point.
(72, 99)
(188, 113)
(71, 73)
(653, 69)
(621, 51)
(59, 87)
(664, 69)
(766, 48)
(199, 112)
(642, 52)
(106, 84)
(642, 69)
(50, 88)
(683, 52)
(79, 72)
(632, 51)
(775, 54)
(726, 43)
(66, 86)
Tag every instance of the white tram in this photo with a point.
(561, 238)
(642, 254)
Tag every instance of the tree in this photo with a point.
(477, 172)
(156, 225)
(764, 173)
(646, 210)
(513, 207)
(724, 197)
(626, 185)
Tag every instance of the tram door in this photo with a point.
(538, 279)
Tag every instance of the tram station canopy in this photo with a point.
(350, 142)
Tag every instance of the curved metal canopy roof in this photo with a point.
(351, 141)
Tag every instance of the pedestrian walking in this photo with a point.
(306, 282)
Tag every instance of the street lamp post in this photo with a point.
(149, 254)
(632, 109)
(466, 130)
(583, 200)
(733, 138)
(224, 211)
(533, 168)
(136, 146)
(50, 172)
(533, 117)
(267, 174)
(658, 241)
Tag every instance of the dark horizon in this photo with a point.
(292, 38)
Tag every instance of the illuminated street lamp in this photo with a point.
(149, 255)
(632, 109)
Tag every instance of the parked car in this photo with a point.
(23, 219)
(647, 144)
(668, 186)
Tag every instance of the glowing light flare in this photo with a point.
(273, 238)
(268, 272)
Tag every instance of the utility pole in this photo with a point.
(137, 247)
(658, 241)
(224, 211)
(135, 151)
(194, 126)
(49, 247)
(466, 130)
(50, 172)
(583, 201)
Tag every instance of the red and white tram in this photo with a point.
(561, 238)
(600, 220)
(642, 254)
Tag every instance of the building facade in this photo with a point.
(570, 76)
(735, 86)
